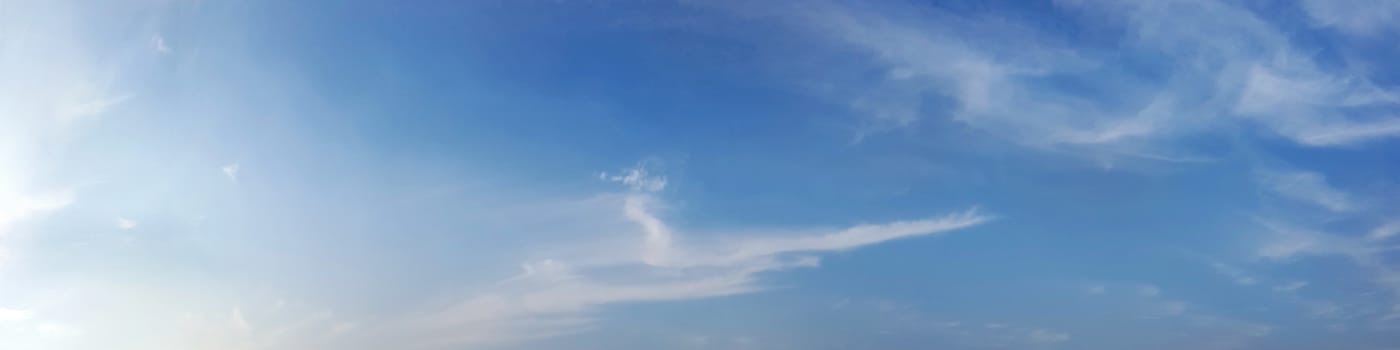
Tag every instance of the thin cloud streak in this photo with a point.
(551, 297)
(1254, 77)
(1307, 187)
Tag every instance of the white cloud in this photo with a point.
(1384, 231)
(638, 178)
(998, 83)
(1307, 105)
(1288, 243)
(1358, 17)
(231, 171)
(552, 297)
(88, 107)
(158, 44)
(1307, 187)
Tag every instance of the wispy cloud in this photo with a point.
(1307, 187)
(638, 177)
(19, 207)
(88, 108)
(1005, 81)
(551, 297)
(1310, 107)
(1288, 242)
(1384, 231)
(1210, 330)
(1237, 275)
(1357, 17)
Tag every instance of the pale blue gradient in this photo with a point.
(1075, 174)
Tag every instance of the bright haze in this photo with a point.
(639, 175)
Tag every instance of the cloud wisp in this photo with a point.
(1031, 85)
(1307, 187)
(553, 297)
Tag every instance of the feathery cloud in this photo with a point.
(552, 297)
(1357, 17)
(1307, 187)
(1384, 231)
(1289, 242)
(1002, 83)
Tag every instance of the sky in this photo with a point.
(442, 175)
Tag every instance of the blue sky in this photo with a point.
(1074, 174)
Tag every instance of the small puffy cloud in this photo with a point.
(637, 178)
(158, 44)
(231, 171)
